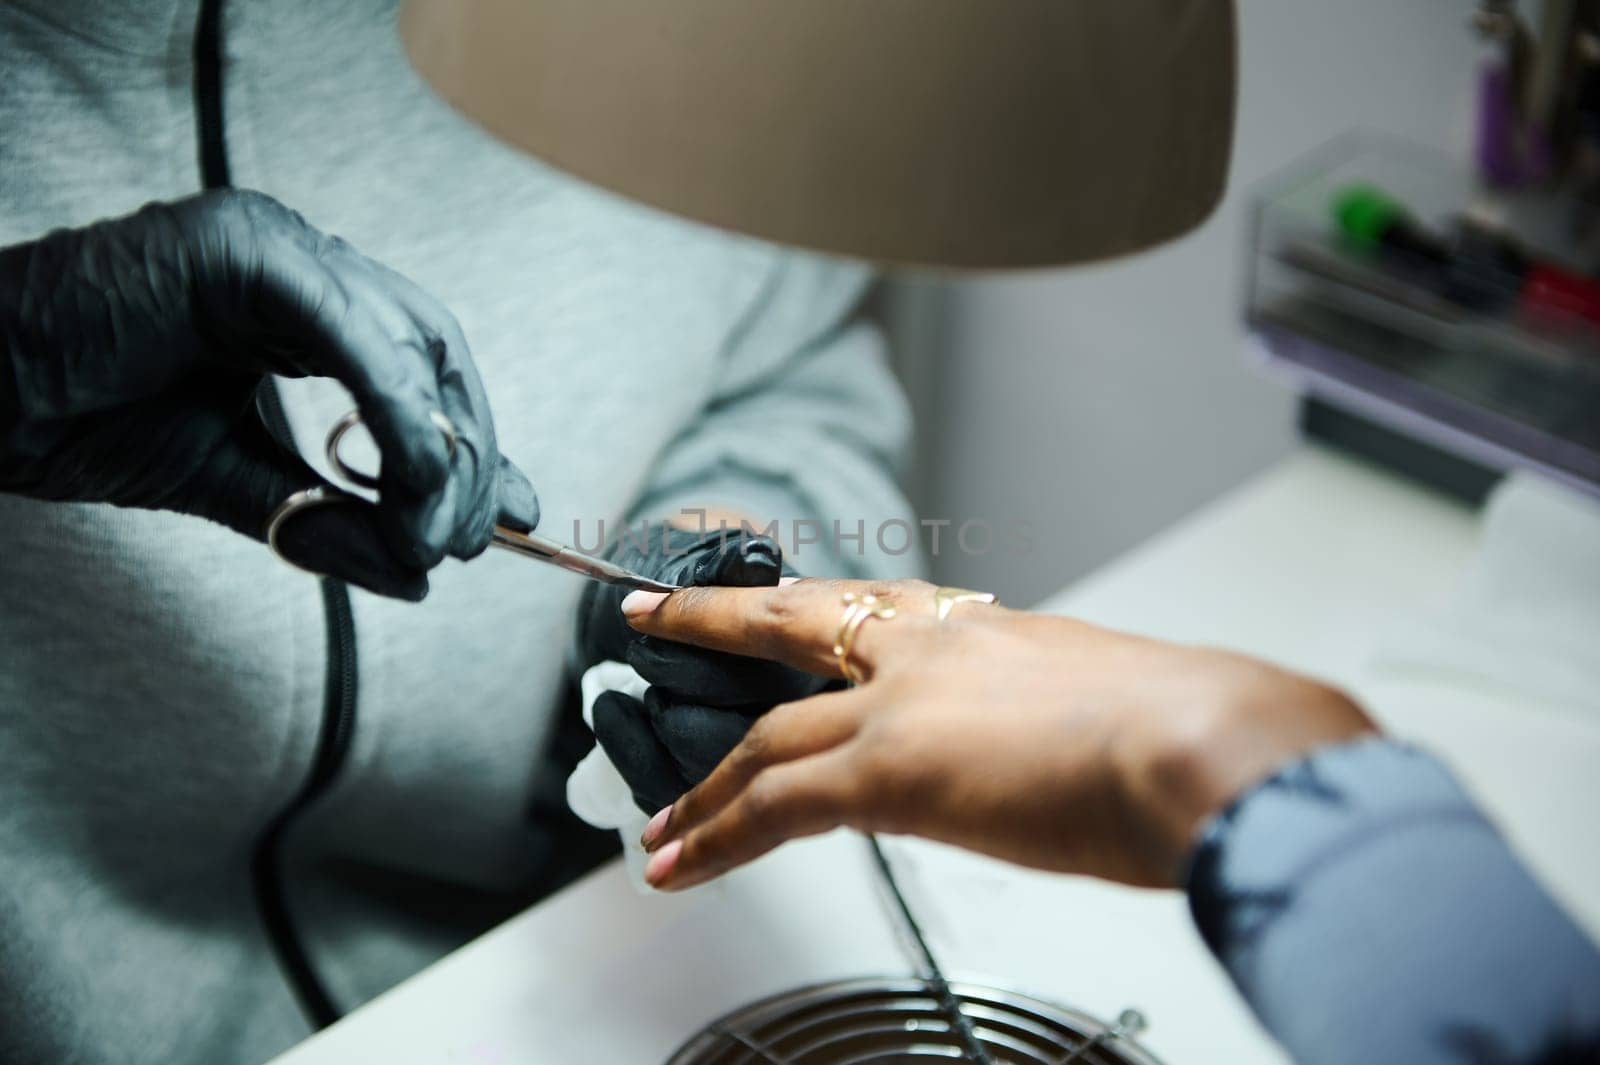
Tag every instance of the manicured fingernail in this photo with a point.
(788, 580)
(661, 862)
(638, 604)
(657, 825)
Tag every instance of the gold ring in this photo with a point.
(857, 609)
(945, 599)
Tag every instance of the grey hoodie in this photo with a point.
(163, 682)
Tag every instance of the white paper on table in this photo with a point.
(1526, 616)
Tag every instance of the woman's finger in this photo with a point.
(796, 624)
(622, 729)
(787, 733)
(519, 503)
(245, 475)
(395, 395)
(715, 678)
(698, 737)
(430, 350)
(464, 401)
(373, 347)
(789, 801)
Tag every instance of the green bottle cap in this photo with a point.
(1365, 213)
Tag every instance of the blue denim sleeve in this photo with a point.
(1370, 913)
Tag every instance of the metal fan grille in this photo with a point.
(889, 1022)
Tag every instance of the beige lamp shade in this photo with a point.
(957, 133)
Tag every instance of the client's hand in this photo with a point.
(701, 702)
(1040, 740)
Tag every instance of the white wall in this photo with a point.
(1103, 403)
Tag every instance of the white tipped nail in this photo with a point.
(662, 862)
(653, 830)
(638, 604)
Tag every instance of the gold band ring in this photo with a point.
(857, 611)
(945, 599)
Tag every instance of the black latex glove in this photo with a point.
(700, 703)
(133, 350)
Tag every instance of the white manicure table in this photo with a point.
(1313, 565)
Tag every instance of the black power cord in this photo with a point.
(932, 974)
(267, 867)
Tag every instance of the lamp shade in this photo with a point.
(953, 133)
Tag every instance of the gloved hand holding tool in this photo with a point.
(700, 703)
(133, 351)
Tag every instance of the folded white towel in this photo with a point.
(595, 790)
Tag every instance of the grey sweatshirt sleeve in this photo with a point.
(1369, 912)
(807, 427)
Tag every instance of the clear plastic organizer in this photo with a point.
(1383, 281)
